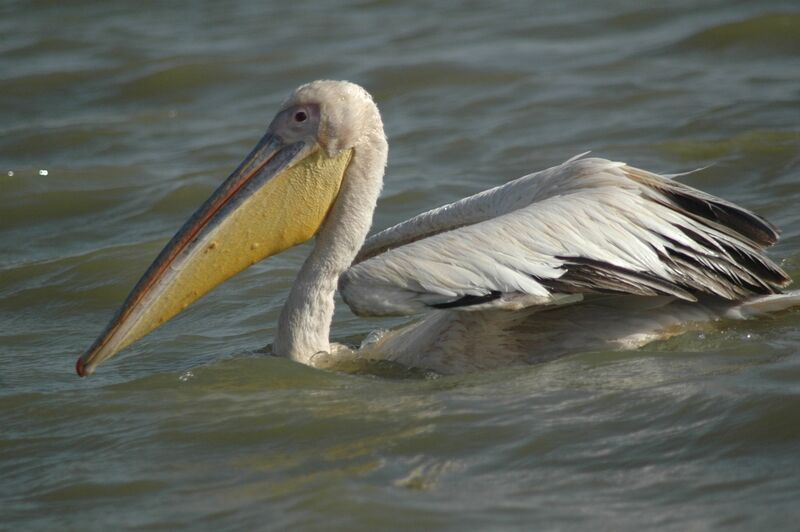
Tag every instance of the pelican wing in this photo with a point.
(585, 226)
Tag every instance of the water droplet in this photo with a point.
(43, 172)
(11, 173)
(254, 245)
(186, 376)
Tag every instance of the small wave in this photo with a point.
(174, 81)
(776, 33)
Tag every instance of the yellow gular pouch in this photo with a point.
(287, 210)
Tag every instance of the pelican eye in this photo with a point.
(300, 116)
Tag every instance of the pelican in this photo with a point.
(588, 254)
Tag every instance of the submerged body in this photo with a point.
(585, 253)
(458, 342)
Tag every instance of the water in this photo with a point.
(118, 118)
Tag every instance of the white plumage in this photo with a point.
(520, 242)
(519, 256)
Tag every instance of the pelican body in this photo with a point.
(590, 253)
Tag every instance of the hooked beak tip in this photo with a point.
(79, 368)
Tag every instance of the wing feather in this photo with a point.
(586, 226)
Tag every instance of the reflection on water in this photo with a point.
(118, 119)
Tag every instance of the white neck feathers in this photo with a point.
(305, 321)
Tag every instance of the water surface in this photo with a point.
(118, 118)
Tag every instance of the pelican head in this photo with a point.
(278, 197)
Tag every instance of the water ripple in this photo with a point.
(138, 111)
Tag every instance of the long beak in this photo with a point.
(277, 198)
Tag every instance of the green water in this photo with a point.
(118, 118)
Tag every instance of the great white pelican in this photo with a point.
(588, 254)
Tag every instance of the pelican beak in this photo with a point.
(277, 198)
